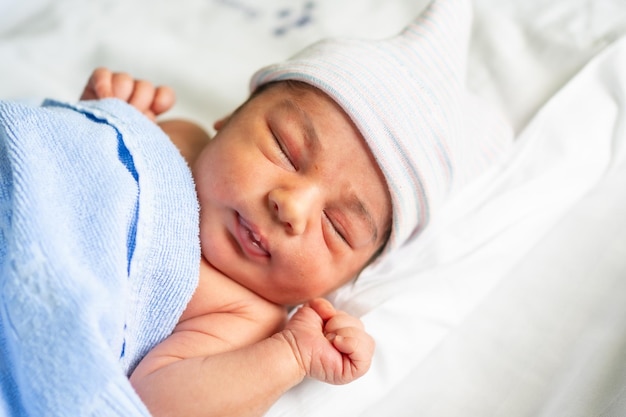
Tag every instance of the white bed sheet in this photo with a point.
(511, 303)
(540, 333)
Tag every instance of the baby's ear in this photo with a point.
(220, 123)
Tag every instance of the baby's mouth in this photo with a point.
(255, 238)
(250, 239)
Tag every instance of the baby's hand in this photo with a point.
(329, 345)
(142, 95)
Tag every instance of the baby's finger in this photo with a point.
(345, 332)
(322, 307)
(142, 95)
(342, 320)
(164, 99)
(344, 344)
(99, 85)
(122, 85)
(356, 347)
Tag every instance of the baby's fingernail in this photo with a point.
(331, 336)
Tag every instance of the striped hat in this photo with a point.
(406, 96)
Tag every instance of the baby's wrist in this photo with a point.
(288, 341)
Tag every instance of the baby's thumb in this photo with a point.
(323, 308)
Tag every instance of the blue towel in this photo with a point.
(99, 254)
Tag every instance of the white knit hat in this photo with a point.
(406, 96)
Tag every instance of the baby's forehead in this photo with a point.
(293, 86)
(292, 91)
(310, 106)
(291, 95)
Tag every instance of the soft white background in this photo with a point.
(512, 304)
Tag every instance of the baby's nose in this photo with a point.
(294, 207)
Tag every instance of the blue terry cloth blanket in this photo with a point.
(99, 254)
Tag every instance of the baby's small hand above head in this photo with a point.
(141, 94)
(330, 345)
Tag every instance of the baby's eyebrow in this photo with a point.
(310, 134)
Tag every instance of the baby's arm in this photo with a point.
(318, 342)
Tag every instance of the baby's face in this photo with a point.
(292, 202)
